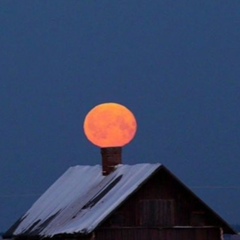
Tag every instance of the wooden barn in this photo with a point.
(119, 202)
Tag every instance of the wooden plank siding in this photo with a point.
(157, 212)
(159, 234)
(160, 202)
(172, 202)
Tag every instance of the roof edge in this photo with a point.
(229, 229)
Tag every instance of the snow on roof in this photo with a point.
(81, 199)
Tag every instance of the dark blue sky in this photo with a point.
(175, 64)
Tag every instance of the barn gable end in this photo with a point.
(163, 206)
(133, 202)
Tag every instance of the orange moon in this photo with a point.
(110, 125)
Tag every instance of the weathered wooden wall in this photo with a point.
(160, 202)
(159, 234)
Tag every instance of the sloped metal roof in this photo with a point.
(81, 199)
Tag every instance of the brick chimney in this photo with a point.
(111, 157)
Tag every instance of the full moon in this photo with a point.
(110, 125)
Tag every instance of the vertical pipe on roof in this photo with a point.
(111, 156)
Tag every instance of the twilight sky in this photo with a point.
(175, 64)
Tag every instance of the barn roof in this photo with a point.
(81, 199)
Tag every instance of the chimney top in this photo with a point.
(111, 157)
